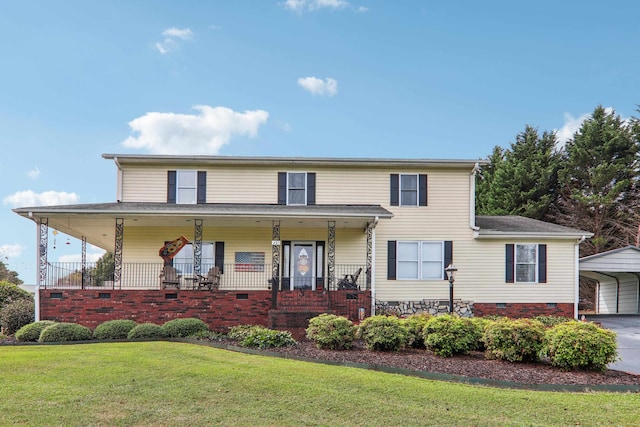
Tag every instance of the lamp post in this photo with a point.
(451, 273)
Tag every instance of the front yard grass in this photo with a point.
(167, 383)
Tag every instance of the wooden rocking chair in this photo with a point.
(169, 277)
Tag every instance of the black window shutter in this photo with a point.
(391, 260)
(311, 188)
(509, 264)
(202, 187)
(448, 255)
(395, 189)
(422, 190)
(282, 188)
(319, 261)
(171, 187)
(220, 256)
(542, 263)
(285, 283)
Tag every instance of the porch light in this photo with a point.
(451, 274)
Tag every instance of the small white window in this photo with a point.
(296, 188)
(420, 260)
(526, 263)
(186, 187)
(408, 190)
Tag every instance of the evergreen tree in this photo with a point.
(7, 275)
(484, 182)
(598, 182)
(525, 181)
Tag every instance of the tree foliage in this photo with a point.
(7, 275)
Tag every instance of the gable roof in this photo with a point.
(519, 226)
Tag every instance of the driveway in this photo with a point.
(628, 329)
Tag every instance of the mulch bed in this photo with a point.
(473, 365)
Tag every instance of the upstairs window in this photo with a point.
(296, 188)
(186, 186)
(408, 190)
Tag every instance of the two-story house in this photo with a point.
(292, 237)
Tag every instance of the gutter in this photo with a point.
(118, 180)
(576, 275)
(472, 198)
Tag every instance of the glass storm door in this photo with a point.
(303, 266)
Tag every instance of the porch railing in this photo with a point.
(147, 276)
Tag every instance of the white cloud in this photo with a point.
(313, 5)
(11, 251)
(47, 198)
(328, 87)
(572, 125)
(173, 32)
(34, 173)
(77, 258)
(363, 9)
(169, 43)
(202, 133)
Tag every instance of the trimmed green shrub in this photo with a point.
(261, 337)
(15, 314)
(10, 292)
(550, 321)
(481, 323)
(61, 332)
(31, 332)
(146, 331)
(240, 332)
(332, 332)
(182, 328)
(113, 329)
(580, 345)
(517, 340)
(415, 325)
(449, 335)
(383, 333)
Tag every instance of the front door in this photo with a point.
(303, 265)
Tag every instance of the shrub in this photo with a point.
(113, 329)
(383, 333)
(146, 331)
(261, 337)
(579, 345)
(31, 332)
(481, 323)
(181, 328)
(448, 335)
(15, 314)
(60, 332)
(415, 325)
(332, 332)
(240, 332)
(10, 292)
(517, 340)
(550, 321)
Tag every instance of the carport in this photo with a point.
(617, 273)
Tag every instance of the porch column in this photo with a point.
(369, 254)
(43, 237)
(117, 254)
(84, 260)
(275, 254)
(331, 253)
(197, 246)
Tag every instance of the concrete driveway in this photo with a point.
(627, 327)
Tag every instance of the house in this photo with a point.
(294, 237)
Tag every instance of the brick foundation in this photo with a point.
(516, 310)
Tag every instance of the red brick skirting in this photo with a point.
(516, 310)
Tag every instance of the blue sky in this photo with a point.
(330, 78)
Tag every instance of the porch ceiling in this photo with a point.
(96, 222)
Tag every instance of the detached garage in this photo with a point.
(617, 273)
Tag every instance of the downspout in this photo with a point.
(576, 274)
(472, 197)
(373, 265)
(118, 180)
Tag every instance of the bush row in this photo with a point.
(566, 343)
(49, 331)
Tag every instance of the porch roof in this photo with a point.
(96, 221)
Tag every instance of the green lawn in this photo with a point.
(165, 383)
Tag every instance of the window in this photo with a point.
(296, 188)
(408, 190)
(420, 260)
(526, 263)
(186, 187)
(183, 261)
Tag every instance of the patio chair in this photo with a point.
(349, 281)
(169, 277)
(211, 280)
